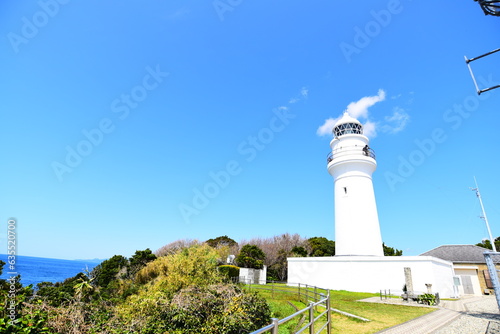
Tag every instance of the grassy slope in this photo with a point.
(381, 315)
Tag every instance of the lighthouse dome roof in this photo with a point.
(347, 125)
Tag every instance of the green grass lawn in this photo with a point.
(381, 315)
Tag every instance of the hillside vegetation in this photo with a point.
(184, 287)
(178, 293)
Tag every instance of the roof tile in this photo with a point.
(458, 253)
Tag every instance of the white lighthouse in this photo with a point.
(359, 263)
(352, 163)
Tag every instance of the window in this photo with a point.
(348, 128)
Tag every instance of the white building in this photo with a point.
(359, 264)
(471, 273)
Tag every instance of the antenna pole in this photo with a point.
(478, 194)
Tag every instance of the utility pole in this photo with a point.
(478, 194)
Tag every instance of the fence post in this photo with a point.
(311, 318)
(315, 299)
(328, 314)
(300, 296)
(276, 325)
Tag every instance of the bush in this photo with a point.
(185, 293)
(31, 319)
(194, 265)
(216, 309)
(229, 271)
(428, 299)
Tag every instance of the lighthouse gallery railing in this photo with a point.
(350, 150)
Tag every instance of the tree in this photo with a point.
(486, 243)
(389, 251)
(277, 249)
(221, 241)
(108, 270)
(225, 246)
(299, 251)
(139, 260)
(176, 246)
(251, 256)
(320, 246)
(57, 294)
(2, 263)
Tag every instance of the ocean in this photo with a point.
(34, 270)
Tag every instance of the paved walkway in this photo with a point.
(470, 314)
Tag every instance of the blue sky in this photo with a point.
(131, 125)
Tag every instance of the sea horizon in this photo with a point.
(34, 270)
(2, 255)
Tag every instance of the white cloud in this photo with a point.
(360, 108)
(396, 122)
(302, 95)
(327, 127)
(304, 91)
(370, 129)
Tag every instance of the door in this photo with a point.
(467, 284)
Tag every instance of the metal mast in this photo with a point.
(478, 194)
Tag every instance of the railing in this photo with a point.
(385, 295)
(350, 150)
(309, 294)
(274, 326)
(306, 293)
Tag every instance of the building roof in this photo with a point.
(459, 253)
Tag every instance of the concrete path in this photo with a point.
(447, 312)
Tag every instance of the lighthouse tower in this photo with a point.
(352, 163)
(358, 243)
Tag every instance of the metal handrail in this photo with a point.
(324, 302)
(351, 150)
(274, 326)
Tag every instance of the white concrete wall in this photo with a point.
(372, 274)
(253, 276)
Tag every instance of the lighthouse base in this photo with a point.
(373, 273)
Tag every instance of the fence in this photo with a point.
(308, 294)
(384, 294)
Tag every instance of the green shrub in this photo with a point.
(185, 293)
(30, 319)
(229, 271)
(428, 299)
